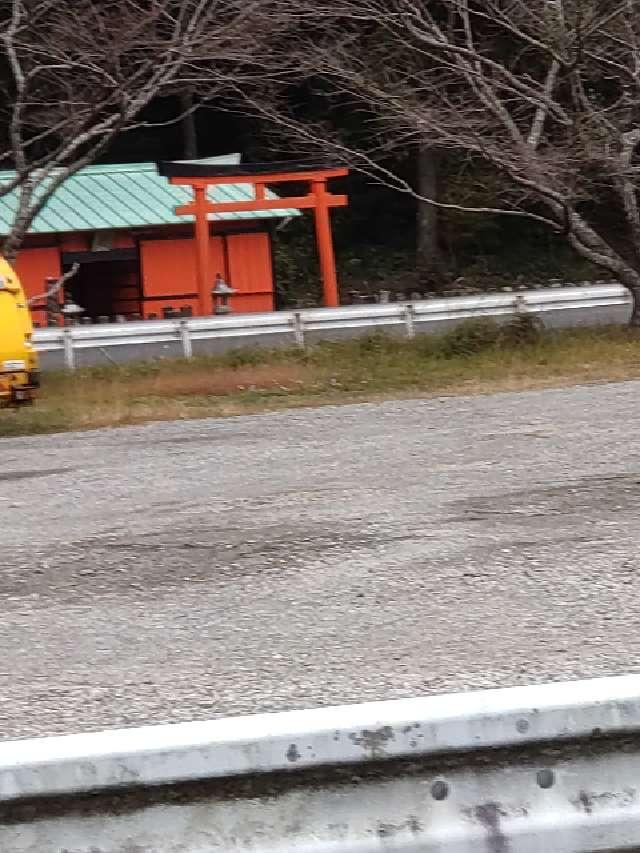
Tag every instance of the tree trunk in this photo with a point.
(427, 214)
(189, 132)
(10, 254)
(632, 282)
(10, 247)
(590, 245)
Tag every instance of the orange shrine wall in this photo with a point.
(157, 275)
(33, 266)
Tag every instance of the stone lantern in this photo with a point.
(221, 292)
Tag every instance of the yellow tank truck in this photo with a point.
(19, 375)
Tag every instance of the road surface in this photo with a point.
(197, 569)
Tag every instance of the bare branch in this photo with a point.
(545, 94)
(82, 73)
(537, 127)
(57, 285)
(372, 168)
(627, 187)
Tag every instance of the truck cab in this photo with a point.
(19, 375)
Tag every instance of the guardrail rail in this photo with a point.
(553, 768)
(186, 337)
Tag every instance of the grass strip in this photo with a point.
(477, 357)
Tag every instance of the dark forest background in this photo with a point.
(383, 240)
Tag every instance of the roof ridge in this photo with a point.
(94, 169)
(111, 168)
(138, 166)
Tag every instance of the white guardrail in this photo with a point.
(553, 768)
(182, 337)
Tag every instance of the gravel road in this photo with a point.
(196, 569)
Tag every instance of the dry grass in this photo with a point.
(473, 360)
(202, 380)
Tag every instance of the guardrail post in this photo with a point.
(69, 354)
(520, 305)
(409, 314)
(185, 337)
(298, 328)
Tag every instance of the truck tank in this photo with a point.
(19, 376)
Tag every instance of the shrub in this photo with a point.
(244, 357)
(521, 330)
(375, 342)
(470, 337)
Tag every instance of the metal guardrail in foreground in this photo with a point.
(296, 327)
(554, 768)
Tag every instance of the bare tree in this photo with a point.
(189, 129)
(427, 213)
(545, 92)
(75, 75)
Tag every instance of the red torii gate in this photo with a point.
(201, 176)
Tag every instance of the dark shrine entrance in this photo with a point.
(107, 284)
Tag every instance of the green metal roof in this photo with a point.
(128, 195)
